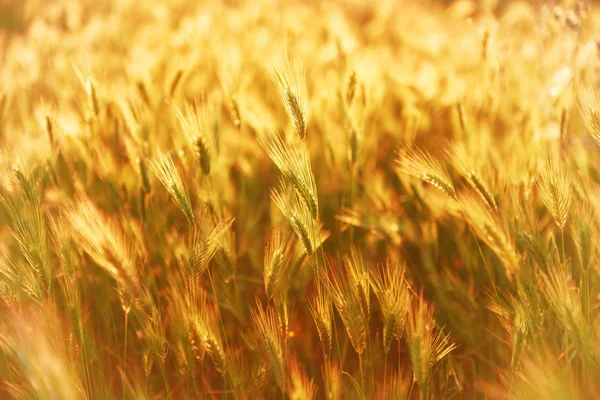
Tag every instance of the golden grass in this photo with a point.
(299, 199)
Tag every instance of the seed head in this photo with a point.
(288, 77)
(420, 164)
(90, 90)
(555, 191)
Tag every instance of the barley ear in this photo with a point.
(3, 104)
(359, 274)
(589, 107)
(555, 191)
(278, 254)
(49, 128)
(288, 77)
(488, 227)
(92, 97)
(350, 88)
(394, 298)
(465, 165)
(203, 153)
(320, 309)
(301, 387)
(267, 325)
(205, 242)
(420, 164)
(347, 302)
(164, 168)
(297, 215)
(195, 121)
(173, 83)
(427, 344)
(293, 161)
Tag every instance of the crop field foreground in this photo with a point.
(292, 199)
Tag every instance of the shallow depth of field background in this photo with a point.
(299, 199)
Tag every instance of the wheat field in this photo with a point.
(290, 199)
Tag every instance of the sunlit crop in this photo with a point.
(291, 199)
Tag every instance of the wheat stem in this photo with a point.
(400, 361)
(216, 300)
(165, 379)
(225, 382)
(125, 346)
(562, 240)
(337, 344)
(385, 357)
(585, 288)
(352, 194)
(86, 369)
(316, 256)
(360, 365)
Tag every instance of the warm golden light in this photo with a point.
(292, 199)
